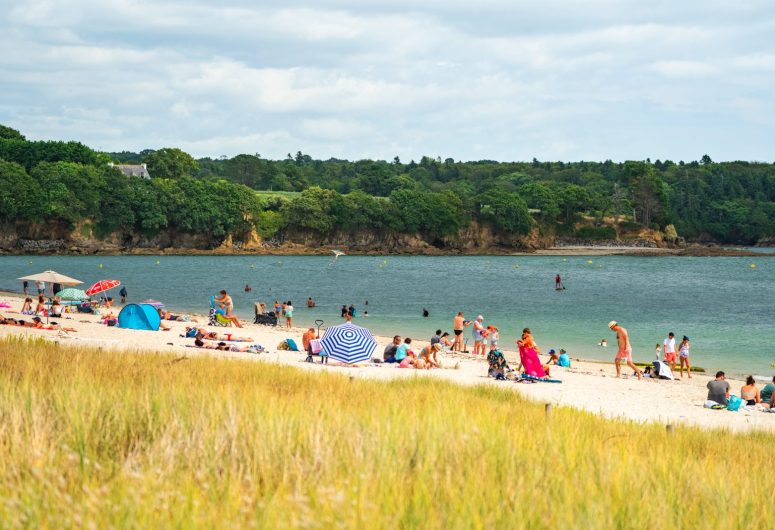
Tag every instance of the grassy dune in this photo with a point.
(93, 439)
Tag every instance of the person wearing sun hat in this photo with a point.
(552, 357)
(624, 353)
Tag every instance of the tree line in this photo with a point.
(67, 183)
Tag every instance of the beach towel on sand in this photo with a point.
(530, 362)
(538, 379)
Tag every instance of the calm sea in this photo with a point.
(724, 304)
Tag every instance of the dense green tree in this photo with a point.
(21, 197)
(572, 200)
(543, 198)
(171, 163)
(433, 214)
(11, 134)
(73, 191)
(649, 195)
(505, 212)
(30, 154)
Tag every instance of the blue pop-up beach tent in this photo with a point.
(139, 316)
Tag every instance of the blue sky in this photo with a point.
(495, 79)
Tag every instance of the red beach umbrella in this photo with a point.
(102, 285)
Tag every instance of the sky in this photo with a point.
(492, 79)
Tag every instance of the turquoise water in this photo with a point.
(725, 306)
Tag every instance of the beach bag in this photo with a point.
(315, 346)
(191, 333)
(734, 403)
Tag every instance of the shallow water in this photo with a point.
(725, 306)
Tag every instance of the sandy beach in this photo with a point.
(591, 386)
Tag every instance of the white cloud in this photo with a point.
(509, 80)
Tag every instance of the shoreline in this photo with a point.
(694, 250)
(588, 385)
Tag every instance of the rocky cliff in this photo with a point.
(474, 239)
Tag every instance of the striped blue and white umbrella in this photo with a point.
(349, 343)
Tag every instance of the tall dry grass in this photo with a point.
(98, 440)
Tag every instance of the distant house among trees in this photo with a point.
(132, 170)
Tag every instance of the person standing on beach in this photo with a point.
(670, 351)
(288, 315)
(344, 311)
(683, 355)
(226, 300)
(41, 286)
(123, 294)
(625, 349)
(479, 335)
(458, 326)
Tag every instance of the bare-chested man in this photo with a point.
(625, 349)
(458, 326)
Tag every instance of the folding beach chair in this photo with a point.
(215, 318)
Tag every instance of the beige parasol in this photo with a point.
(51, 277)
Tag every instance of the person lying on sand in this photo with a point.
(7, 321)
(169, 316)
(213, 335)
(36, 323)
(222, 346)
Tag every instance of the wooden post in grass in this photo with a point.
(669, 429)
(548, 411)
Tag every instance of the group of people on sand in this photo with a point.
(280, 309)
(672, 352)
(719, 394)
(402, 353)
(482, 335)
(675, 353)
(212, 340)
(36, 323)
